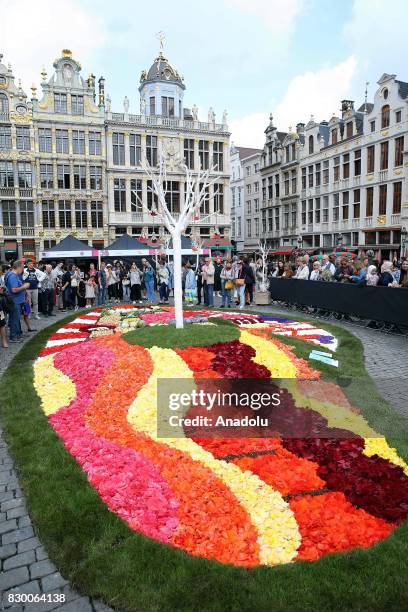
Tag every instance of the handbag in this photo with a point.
(239, 282)
(229, 284)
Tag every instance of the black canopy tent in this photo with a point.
(70, 248)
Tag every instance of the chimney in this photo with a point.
(346, 105)
(300, 128)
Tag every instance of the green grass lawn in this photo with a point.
(102, 558)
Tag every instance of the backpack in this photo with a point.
(6, 303)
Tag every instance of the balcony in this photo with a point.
(4, 117)
(26, 193)
(27, 231)
(172, 122)
(368, 222)
(355, 223)
(10, 231)
(345, 183)
(345, 224)
(357, 180)
(335, 226)
(6, 192)
(383, 175)
(395, 219)
(137, 217)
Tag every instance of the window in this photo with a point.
(369, 201)
(239, 226)
(382, 203)
(97, 214)
(372, 126)
(27, 214)
(151, 150)
(256, 227)
(334, 136)
(349, 129)
(303, 212)
(303, 178)
(357, 162)
(81, 214)
(325, 209)
(24, 175)
(9, 213)
(219, 198)
(311, 145)
(5, 137)
(277, 219)
(167, 106)
(356, 204)
(336, 206)
(95, 147)
(293, 215)
(325, 172)
(4, 106)
(63, 176)
(310, 212)
(256, 187)
(218, 156)
(79, 177)
(256, 168)
(384, 156)
(189, 153)
(346, 165)
(336, 168)
(6, 174)
(23, 138)
(203, 153)
(256, 204)
(135, 149)
(370, 159)
(152, 102)
(317, 175)
(399, 150)
(151, 196)
(119, 194)
(77, 105)
(78, 142)
(249, 207)
(45, 140)
(385, 116)
(249, 228)
(294, 181)
(62, 141)
(60, 103)
(310, 176)
(118, 145)
(173, 196)
(95, 177)
(48, 214)
(396, 198)
(398, 116)
(270, 220)
(46, 176)
(205, 206)
(317, 210)
(64, 214)
(135, 195)
(286, 183)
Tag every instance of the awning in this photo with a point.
(282, 251)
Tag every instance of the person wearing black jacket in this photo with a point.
(249, 279)
(199, 280)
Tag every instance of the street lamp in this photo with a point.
(339, 239)
(404, 235)
(299, 241)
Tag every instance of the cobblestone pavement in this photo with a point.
(24, 563)
(25, 566)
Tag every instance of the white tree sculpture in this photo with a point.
(263, 252)
(196, 192)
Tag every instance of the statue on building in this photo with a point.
(225, 117)
(194, 111)
(211, 115)
(126, 104)
(142, 106)
(108, 103)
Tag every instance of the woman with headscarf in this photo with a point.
(372, 276)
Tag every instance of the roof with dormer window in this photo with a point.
(161, 70)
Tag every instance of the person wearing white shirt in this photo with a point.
(315, 273)
(328, 265)
(303, 270)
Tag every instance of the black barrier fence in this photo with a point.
(375, 303)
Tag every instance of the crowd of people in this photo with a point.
(360, 271)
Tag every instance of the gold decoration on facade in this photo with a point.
(384, 132)
(381, 220)
(17, 118)
(89, 106)
(46, 103)
(66, 53)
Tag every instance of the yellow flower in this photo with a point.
(54, 388)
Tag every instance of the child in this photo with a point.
(90, 290)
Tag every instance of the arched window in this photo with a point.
(311, 144)
(4, 105)
(385, 116)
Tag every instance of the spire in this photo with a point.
(366, 96)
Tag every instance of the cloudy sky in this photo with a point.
(293, 58)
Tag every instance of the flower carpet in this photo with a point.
(243, 501)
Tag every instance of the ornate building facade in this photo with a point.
(69, 165)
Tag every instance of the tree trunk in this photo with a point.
(178, 291)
